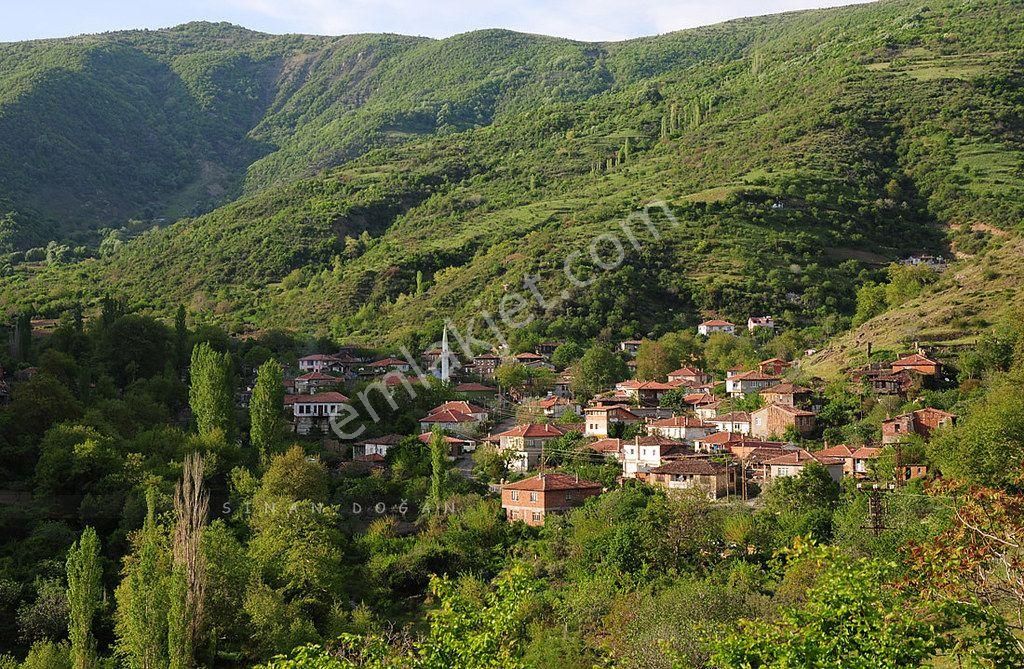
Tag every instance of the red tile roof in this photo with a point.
(606, 445)
(731, 417)
(800, 457)
(474, 388)
(317, 376)
(680, 421)
(687, 371)
(913, 359)
(458, 405)
(786, 389)
(318, 398)
(389, 362)
(840, 451)
(448, 416)
(553, 481)
(691, 466)
(867, 453)
(448, 439)
(717, 323)
(533, 431)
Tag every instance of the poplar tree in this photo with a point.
(266, 408)
(85, 592)
(438, 469)
(210, 394)
(142, 597)
(187, 585)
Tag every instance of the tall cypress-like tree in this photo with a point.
(85, 592)
(210, 394)
(438, 470)
(266, 409)
(187, 585)
(142, 597)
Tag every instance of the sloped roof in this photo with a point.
(553, 481)
(786, 389)
(692, 466)
(385, 440)
(533, 431)
(316, 398)
(801, 457)
(679, 421)
(448, 416)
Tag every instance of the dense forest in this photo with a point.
(184, 213)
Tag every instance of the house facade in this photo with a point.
(532, 500)
(313, 412)
(921, 422)
(684, 428)
(525, 443)
(716, 479)
(708, 328)
(774, 420)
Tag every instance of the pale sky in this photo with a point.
(579, 19)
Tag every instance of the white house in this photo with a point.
(314, 411)
(793, 463)
(734, 421)
(755, 322)
(738, 385)
(642, 454)
(379, 445)
(710, 327)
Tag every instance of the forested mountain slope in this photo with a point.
(800, 153)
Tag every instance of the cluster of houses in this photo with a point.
(703, 442)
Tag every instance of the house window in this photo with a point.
(783, 471)
(514, 495)
(537, 516)
(533, 497)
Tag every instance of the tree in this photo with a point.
(598, 370)
(181, 337)
(566, 354)
(188, 592)
(141, 622)
(654, 361)
(266, 409)
(864, 614)
(210, 394)
(438, 470)
(512, 376)
(85, 591)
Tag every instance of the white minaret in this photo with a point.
(445, 372)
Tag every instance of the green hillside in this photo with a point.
(800, 154)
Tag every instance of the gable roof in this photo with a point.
(731, 417)
(533, 431)
(914, 359)
(867, 453)
(679, 421)
(317, 376)
(785, 408)
(388, 362)
(687, 371)
(754, 375)
(801, 457)
(608, 445)
(316, 398)
(717, 323)
(461, 406)
(553, 481)
(448, 416)
(691, 466)
(839, 451)
(474, 388)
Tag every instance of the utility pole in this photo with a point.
(876, 506)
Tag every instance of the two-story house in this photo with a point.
(532, 500)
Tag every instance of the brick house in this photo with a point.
(773, 366)
(921, 422)
(532, 500)
(774, 420)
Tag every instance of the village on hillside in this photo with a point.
(516, 419)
